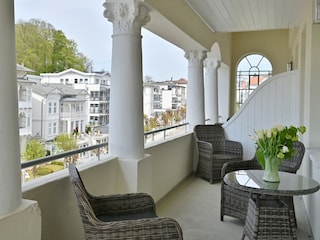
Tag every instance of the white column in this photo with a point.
(10, 182)
(211, 90)
(126, 131)
(195, 94)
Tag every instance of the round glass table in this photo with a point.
(290, 184)
(270, 213)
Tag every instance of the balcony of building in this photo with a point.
(45, 208)
(166, 172)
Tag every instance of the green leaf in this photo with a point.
(260, 158)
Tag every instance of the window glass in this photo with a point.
(252, 70)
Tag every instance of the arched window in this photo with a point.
(252, 70)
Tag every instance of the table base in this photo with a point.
(268, 219)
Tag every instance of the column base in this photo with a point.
(135, 175)
(24, 223)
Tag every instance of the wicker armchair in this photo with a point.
(234, 202)
(121, 216)
(214, 150)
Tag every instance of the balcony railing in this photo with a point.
(99, 149)
(162, 133)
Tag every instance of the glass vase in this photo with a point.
(271, 170)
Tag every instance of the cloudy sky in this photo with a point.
(83, 21)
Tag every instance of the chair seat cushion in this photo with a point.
(112, 218)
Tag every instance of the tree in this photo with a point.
(42, 48)
(66, 142)
(167, 117)
(148, 79)
(34, 150)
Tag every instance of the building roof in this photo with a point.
(45, 89)
(72, 70)
(23, 68)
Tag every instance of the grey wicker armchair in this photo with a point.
(214, 150)
(234, 202)
(121, 216)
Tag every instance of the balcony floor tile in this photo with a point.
(195, 204)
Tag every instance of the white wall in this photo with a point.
(224, 92)
(275, 101)
(23, 223)
(172, 161)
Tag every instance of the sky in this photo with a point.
(83, 22)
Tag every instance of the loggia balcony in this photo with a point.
(167, 171)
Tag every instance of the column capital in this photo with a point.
(195, 57)
(212, 64)
(127, 16)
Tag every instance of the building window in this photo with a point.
(54, 107)
(22, 120)
(50, 107)
(252, 70)
(54, 128)
(22, 93)
(63, 126)
(49, 129)
(82, 126)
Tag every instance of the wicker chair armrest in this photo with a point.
(205, 150)
(233, 147)
(122, 203)
(204, 146)
(148, 228)
(239, 165)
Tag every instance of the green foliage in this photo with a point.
(88, 129)
(57, 163)
(65, 142)
(277, 142)
(34, 150)
(44, 49)
(41, 171)
(147, 128)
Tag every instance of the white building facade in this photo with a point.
(24, 86)
(161, 96)
(97, 85)
(58, 109)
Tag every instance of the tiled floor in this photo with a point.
(195, 204)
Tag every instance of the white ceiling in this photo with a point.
(248, 15)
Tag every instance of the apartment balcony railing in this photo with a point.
(100, 149)
(162, 133)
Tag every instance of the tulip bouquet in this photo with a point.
(276, 142)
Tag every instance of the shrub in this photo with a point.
(57, 163)
(41, 171)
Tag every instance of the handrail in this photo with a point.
(46, 159)
(164, 129)
(154, 132)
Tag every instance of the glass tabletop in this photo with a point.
(290, 184)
